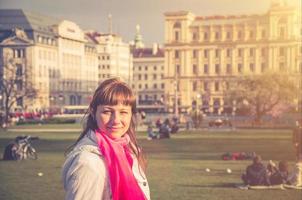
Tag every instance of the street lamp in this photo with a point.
(175, 98)
(198, 98)
(234, 108)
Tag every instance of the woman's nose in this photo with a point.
(115, 118)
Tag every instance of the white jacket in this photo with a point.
(85, 175)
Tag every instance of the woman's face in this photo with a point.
(114, 120)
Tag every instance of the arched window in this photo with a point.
(177, 25)
(176, 31)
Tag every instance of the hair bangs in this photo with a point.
(117, 93)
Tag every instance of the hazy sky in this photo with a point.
(93, 14)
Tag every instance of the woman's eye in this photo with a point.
(124, 112)
(106, 112)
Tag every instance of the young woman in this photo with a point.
(106, 162)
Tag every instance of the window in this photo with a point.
(251, 34)
(206, 69)
(146, 68)
(217, 69)
(139, 77)
(195, 71)
(19, 84)
(176, 35)
(228, 35)
(155, 86)
(177, 69)
(154, 67)
(20, 101)
(227, 85)
(146, 86)
(263, 52)
(229, 52)
(18, 53)
(206, 86)
(195, 53)
(139, 86)
(146, 76)
(18, 70)
(195, 36)
(154, 76)
(281, 51)
(282, 32)
(139, 68)
(205, 36)
(194, 86)
(263, 34)
(206, 53)
(239, 35)
(252, 67)
(240, 52)
(252, 51)
(217, 53)
(176, 54)
(162, 86)
(240, 68)
(216, 86)
(217, 35)
(229, 69)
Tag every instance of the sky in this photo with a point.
(149, 14)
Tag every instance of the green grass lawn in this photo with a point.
(176, 167)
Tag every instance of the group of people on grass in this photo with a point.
(164, 129)
(257, 174)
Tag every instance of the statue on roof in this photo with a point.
(20, 33)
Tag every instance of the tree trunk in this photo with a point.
(257, 120)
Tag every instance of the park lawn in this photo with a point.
(176, 167)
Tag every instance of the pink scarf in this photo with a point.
(119, 162)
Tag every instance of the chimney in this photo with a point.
(154, 49)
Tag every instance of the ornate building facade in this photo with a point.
(148, 75)
(61, 61)
(203, 54)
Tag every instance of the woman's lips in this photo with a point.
(113, 128)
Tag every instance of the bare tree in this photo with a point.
(14, 86)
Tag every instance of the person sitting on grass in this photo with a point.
(271, 168)
(280, 176)
(164, 130)
(256, 173)
(150, 132)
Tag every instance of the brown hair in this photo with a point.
(283, 166)
(112, 92)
